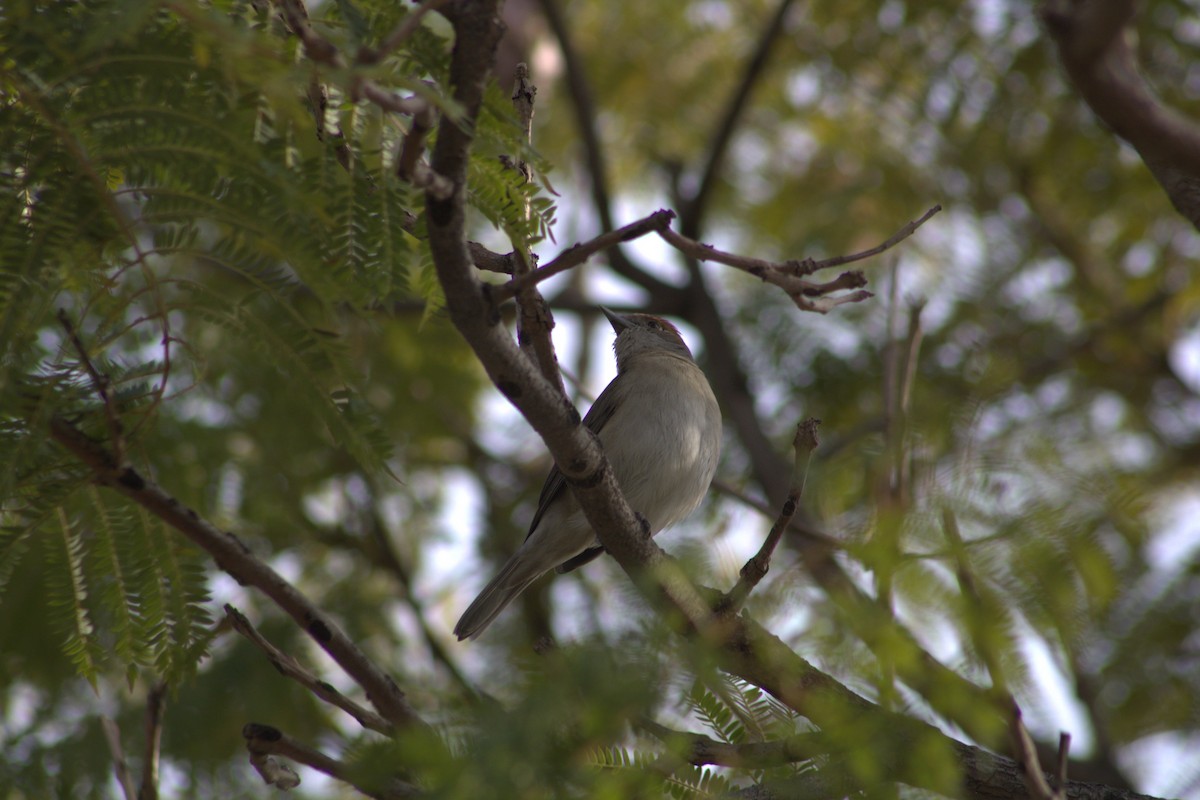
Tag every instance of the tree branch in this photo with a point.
(112, 736)
(397, 37)
(790, 275)
(584, 106)
(1093, 44)
(692, 214)
(232, 556)
(291, 668)
(100, 385)
(782, 275)
(753, 571)
(156, 702)
(265, 742)
(535, 320)
(579, 253)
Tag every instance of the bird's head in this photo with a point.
(643, 333)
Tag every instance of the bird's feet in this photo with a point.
(645, 523)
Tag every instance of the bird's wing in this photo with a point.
(599, 414)
(575, 562)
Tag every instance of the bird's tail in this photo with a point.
(520, 571)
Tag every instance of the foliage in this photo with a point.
(263, 315)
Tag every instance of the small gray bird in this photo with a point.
(660, 426)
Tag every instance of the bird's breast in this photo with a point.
(664, 439)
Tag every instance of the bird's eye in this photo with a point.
(654, 325)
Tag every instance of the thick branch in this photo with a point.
(232, 556)
(1093, 45)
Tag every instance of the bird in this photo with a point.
(660, 426)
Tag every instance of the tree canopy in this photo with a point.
(284, 293)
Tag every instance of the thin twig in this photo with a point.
(1064, 756)
(390, 101)
(805, 294)
(753, 571)
(579, 253)
(232, 556)
(583, 105)
(535, 320)
(100, 384)
(1024, 749)
(386, 549)
(414, 143)
(1026, 755)
(796, 526)
(692, 214)
(156, 703)
(322, 51)
(112, 735)
(316, 46)
(523, 96)
(405, 29)
(265, 742)
(980, 606)
(291, 668)
(893, 240)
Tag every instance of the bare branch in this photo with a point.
(692, 214)
(390, 557)
(232, 556)
(523, 95)
(265, 743)
(753, 571)
(316, 46)
(112, 735)
(291, 668)
(805, 294)
(322, 51)
(1026, 752)
(390, 101)
(579, 253)
(405, 29)
(1064, 758)
(490, 261)
(156, 703)
(583, 104)
(535, 320)
(896, 238)
(414, 145)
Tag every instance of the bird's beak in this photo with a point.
(619, 323)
